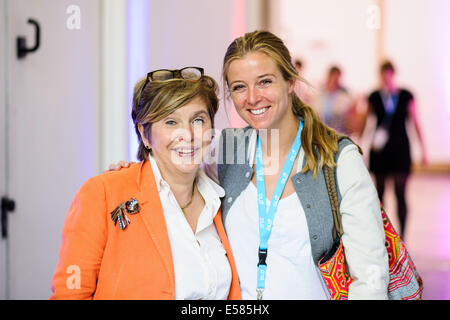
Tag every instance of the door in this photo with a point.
(2, 140)
(52, 138)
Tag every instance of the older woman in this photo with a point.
(153, 231)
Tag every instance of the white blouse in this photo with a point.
(202, 270)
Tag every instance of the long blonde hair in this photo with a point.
(319, 141)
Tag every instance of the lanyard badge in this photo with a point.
(266, 217)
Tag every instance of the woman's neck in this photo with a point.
(181, 184)
(279, 140)
(389, 88)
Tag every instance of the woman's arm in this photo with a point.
(83, 243)
(363, 238)
(412, 110)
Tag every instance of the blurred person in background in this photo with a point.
(333, 103)
(302, 88)
(391, 107)
(153, 231)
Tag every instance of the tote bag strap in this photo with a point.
(330, 181)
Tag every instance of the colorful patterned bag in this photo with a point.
(404, 283)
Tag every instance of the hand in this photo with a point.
(424, 160)
(121, 164)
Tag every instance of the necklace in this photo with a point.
(190, 201)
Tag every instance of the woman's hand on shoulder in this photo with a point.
(119, 165)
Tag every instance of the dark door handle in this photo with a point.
(8, 205)
(22, 49)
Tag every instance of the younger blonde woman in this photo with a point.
(276, 209)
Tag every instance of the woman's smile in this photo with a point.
(186, 152)
(260, 111)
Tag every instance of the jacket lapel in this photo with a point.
(153, 216)
(235, 291)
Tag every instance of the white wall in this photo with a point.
(113, 127)
(417, 39)
(3, 124)
(184, 33)
(191, 33)
(325, 32)
(418, 42)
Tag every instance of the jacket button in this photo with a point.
(247, 175)
(230, 199)
(315, 237)
(308, 206)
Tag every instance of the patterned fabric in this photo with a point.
(404, 284)
(334, 272)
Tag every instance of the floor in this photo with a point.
(427, 233)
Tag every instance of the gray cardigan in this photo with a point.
(235, 173)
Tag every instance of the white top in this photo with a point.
(363, 237)
(202, 270)
(291, 273)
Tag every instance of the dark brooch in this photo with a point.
(118, 215)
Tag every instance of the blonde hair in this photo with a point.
(319, 141)
(161, 98)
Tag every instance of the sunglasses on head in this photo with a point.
(188, 73)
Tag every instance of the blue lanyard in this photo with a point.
(266, 217)
(390, 103)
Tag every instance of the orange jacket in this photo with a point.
(98, 260)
